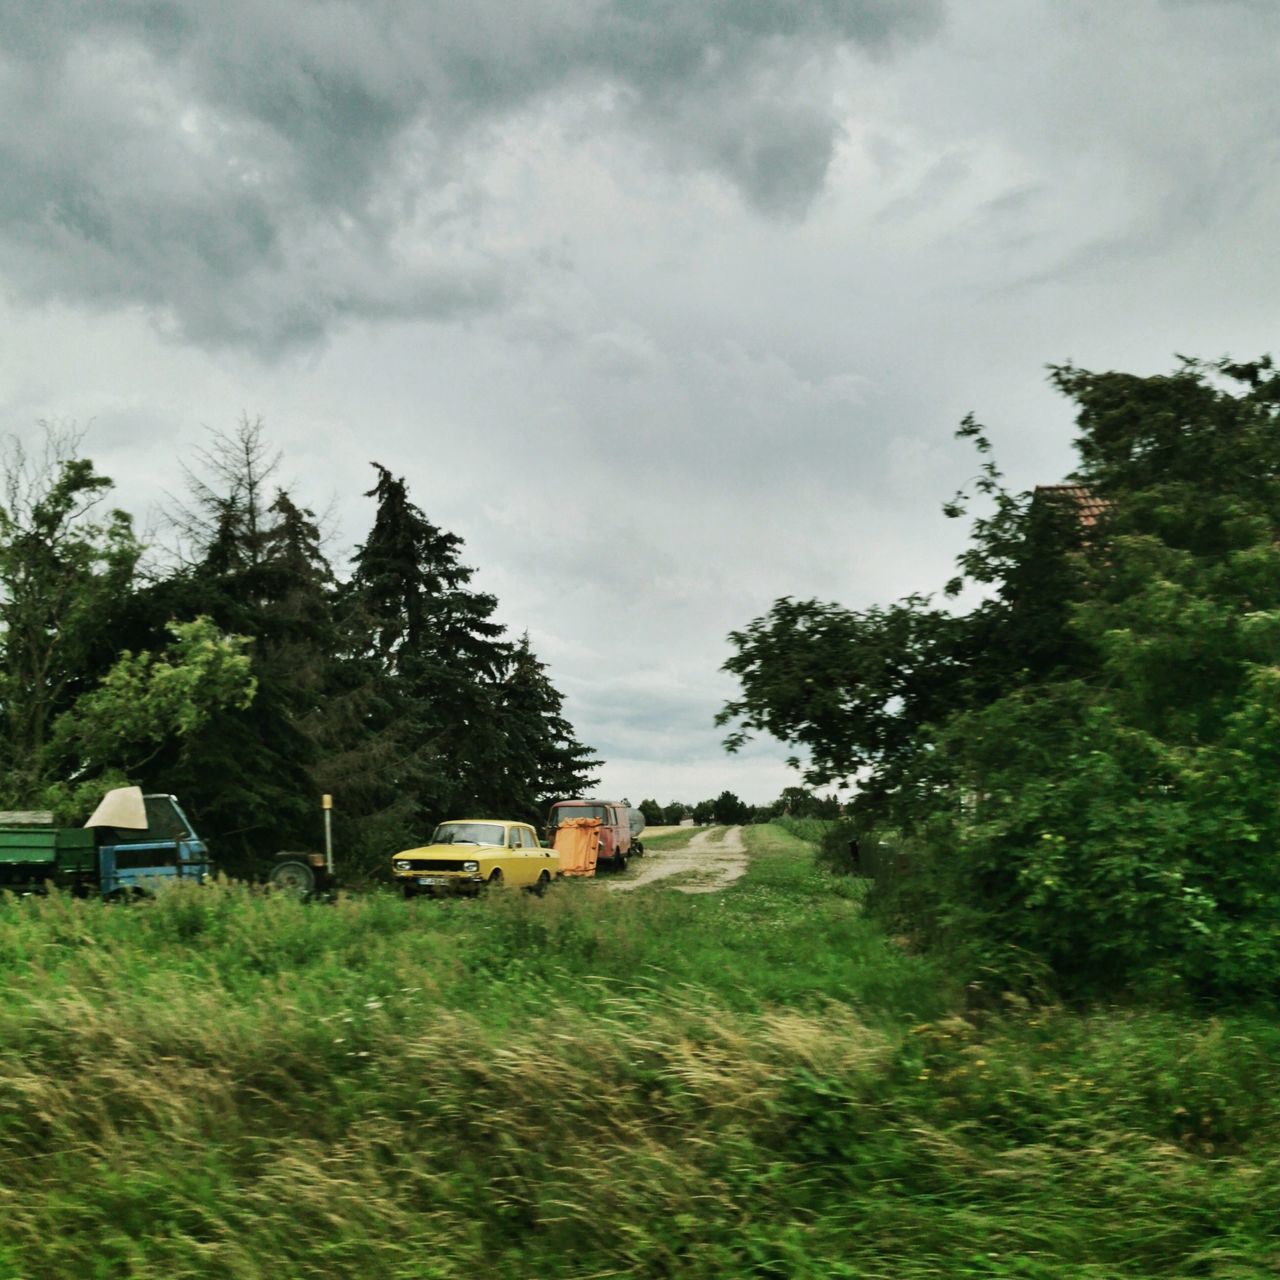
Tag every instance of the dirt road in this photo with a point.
(712, 860)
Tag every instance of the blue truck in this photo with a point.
(131, 844)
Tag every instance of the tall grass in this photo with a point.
(749, 1083)
(811, 830)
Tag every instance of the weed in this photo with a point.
(755, 1083)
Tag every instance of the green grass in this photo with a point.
(754, 1082)
(809, 829)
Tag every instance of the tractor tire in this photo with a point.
(294, 878)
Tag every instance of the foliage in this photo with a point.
(654, 814)
(1085, 761)
(254, 563)
(144, 701)
(467, 721)
(64, 570)
(542, 758)
(799, 802)
(728, 810)
(245, 675)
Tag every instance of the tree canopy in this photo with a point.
(247, 674)
(1083, 763)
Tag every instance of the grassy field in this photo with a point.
(669, 837)
(750, 1083)
(657, 833)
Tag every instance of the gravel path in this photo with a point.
(712, 860)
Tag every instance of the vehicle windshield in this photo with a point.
(164, 823)
(569, 812)
(469, 833)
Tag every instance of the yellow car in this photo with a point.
(473, 854)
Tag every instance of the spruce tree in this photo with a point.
(255, 565)
(545, 761)
(435, 656)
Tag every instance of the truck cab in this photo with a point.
(166, 848)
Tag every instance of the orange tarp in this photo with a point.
(578, 844)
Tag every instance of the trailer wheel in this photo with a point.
(297, 879)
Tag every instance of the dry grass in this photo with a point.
(225, 1085)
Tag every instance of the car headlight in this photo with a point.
(471, 866)
(401, 864)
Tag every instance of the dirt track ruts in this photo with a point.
(713, 860)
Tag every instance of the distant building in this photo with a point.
(1088, 507)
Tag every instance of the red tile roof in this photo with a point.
(1089, 507)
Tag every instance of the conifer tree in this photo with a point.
(545, 761)
(255, 565)
(435, 655)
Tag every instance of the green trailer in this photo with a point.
(36, 853)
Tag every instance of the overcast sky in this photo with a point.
(666, 308)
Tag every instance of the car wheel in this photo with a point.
(620, 862)
(410, 891)
(544, 879)
(495, 880)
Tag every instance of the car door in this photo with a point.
(518, 856)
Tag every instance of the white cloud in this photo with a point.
(667, 309)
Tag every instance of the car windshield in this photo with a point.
(568, 812)
(469, 833)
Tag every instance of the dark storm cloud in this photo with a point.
(251, 171)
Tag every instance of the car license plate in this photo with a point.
(432, 880)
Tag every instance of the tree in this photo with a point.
(728, 810)
(799, 802)
(253, 562)
(113, 731)
(858, 690)
(654, 815)
(64, 569)
(1086, 759)
(81, 714)
(543, 758)
(431, 660)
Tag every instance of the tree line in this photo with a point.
(1080, 770)
(728, 809)
(245, 672)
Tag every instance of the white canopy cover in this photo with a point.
(122, 807)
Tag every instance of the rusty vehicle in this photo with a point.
(577, 841)
(617, 837)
